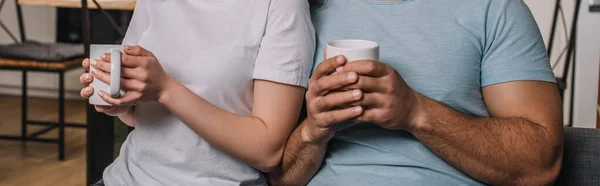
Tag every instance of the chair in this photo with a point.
(27, 64)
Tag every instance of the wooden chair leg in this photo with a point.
(24, 106)
(61, 116)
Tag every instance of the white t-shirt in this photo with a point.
(215, 48)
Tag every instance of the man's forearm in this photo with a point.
(497, 151)
(301, 160)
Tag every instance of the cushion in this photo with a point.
(45, 52)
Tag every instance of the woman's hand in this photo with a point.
(86, 92)
(142, 76)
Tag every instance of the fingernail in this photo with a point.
(93, 72)
(340, 59)
(103, 56)
(93, 62)
(88, 89)
(356, 93)
(339, 69)
(357, 110)
(87, 77)
(100, 94)
(86, 60)
(352, 77)
(127, 47)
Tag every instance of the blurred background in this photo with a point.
(66, 143)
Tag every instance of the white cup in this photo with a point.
(353, 49)
(114, 89)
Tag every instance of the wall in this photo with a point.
(587, 68)
(40, 25)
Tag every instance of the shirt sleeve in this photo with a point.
(288, 45)
(514, 48)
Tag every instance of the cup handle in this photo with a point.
(115, 73)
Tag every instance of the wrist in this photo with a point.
(166, 90)
(418, 114)
(307, 136)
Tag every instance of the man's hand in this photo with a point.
(307, 145)
(388, 100)
(321, 100)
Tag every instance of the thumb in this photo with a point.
(136, 51)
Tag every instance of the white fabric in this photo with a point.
(215, 48)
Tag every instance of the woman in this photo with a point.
(218, 85)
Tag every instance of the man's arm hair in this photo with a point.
(301, 160)
(521, 144)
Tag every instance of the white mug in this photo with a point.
(353, 49)
(114, 89)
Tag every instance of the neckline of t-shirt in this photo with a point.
(386, 2)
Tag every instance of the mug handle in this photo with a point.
(115, 73)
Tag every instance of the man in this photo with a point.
(463, 95)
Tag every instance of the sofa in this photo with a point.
(581, 161)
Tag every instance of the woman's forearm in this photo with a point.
(245, 137)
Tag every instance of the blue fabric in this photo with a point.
(446, 50)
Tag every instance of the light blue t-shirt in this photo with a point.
(446, 50)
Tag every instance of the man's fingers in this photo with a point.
(327, 83)
(128, 98)
(328, 66)
(136, 51)
(370, 115)
(86, 79)
(369, 101)
(366, 68)
(366, 84)
(336, 116)
(336, 99)
(86, 92)
(86, 64)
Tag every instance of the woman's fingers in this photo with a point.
(101, 75)
(101, 65)
(126, 72)
(86, 64)
(126, 60)
(134, 73)
(86, 79)
(132, 85)
(101, 108)
(87, 92)
(129, 98)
